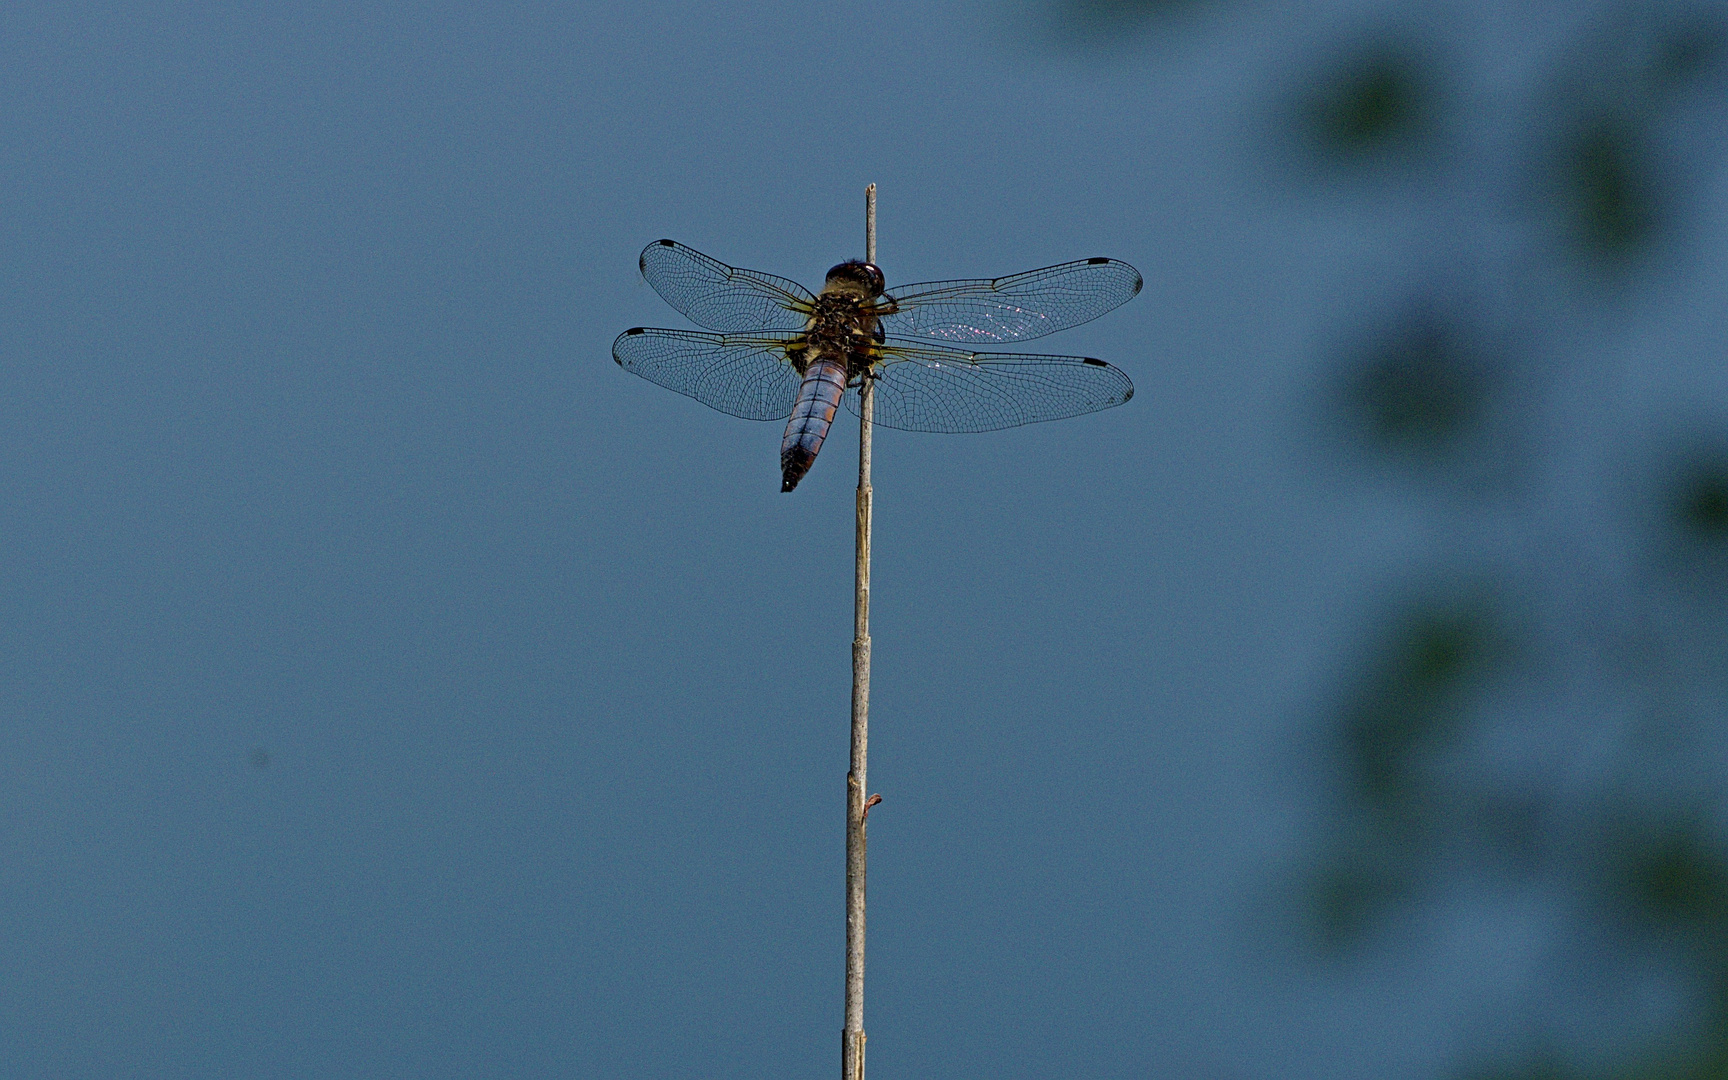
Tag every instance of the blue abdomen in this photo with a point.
(813, 412)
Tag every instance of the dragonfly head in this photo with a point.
(856, 276)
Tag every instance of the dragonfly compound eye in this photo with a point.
(860, 274)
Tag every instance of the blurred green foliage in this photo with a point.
(1103, 22)
(1541, 1068)
(1407, 705)
(1611, 185)
(1378, 100)
(1349, 893)
(1689, 47)
(1538, 1068)
(1699, 501)
(1599, 161)
(1603, 150)
(1673, 876)
(1420, 389)
(1411, 699)
(1608, 187)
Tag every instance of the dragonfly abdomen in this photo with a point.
(812, 413)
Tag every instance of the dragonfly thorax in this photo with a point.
(843, 327)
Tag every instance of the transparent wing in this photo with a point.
(1014, 308)
(740, 376)
(710, 293)
(928, 388)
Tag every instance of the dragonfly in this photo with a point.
(779, 352)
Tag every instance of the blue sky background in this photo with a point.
(392, 687)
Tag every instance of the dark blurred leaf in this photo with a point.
(1376, 101)
(1688, 50)
(1100, 21)
(1700, 501)
(1411, 697)
(1542, 1068)
(1420, 390)
(1510, 828)
(1674, 876)
(1689, 521)
(1608, 187)
(1422, 801)
(1408, 701)
(1348, 896)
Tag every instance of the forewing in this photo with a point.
(927, 388)
(710, 293)
(745, 376)
(1015, 308)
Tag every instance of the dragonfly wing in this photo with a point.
(928, 388)
(710, 293)
(988, 311)
(745, 376)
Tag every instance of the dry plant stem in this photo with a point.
(852, 1035)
